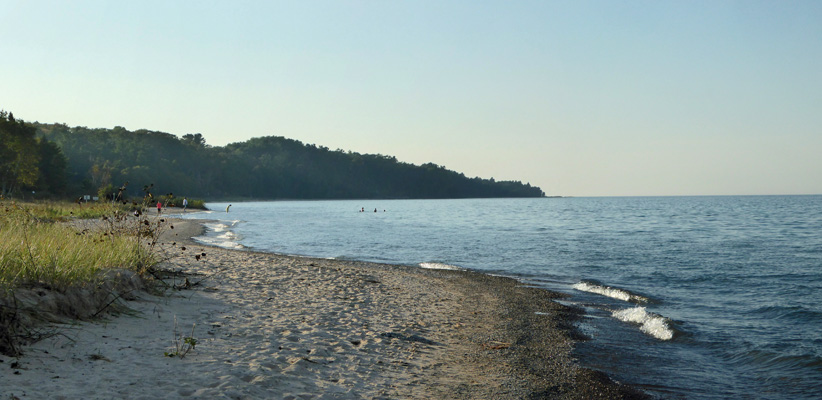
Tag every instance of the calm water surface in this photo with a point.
(686, 297)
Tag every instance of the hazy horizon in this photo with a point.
(582, 99)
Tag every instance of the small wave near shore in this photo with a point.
(220, 234)
(437, 265)
(615, 293)
(649, 323)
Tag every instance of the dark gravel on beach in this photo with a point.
(522, 335)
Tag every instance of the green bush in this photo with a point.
(173, 201)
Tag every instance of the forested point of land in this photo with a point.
(72, 161)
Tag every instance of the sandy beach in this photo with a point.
(279, 327)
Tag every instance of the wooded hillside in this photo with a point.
(260, 168)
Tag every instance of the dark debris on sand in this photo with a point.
(527, 338)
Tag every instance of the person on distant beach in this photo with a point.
(185, 204)
(226, 209)
(159, 207)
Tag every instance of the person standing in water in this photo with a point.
(159, 207)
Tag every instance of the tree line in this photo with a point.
(28, 162)
(80, 160)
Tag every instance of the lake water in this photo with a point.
(686, 297)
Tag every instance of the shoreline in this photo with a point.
(275, 326)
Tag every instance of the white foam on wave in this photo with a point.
(614, 293)
(435, 265)
(650, 323)
(220, 226)
(219, 234)
(226, 244)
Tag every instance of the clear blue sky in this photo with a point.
(582, 98)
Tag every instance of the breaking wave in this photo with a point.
(436, 265)
(219, 234)
(649, 323)
(619, 294)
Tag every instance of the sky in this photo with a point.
(580, 98)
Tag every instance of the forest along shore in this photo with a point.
(272, 326)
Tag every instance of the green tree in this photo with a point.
(19, 155)
(195, 139)
(53, 165)
(100, 174)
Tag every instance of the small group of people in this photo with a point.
(375, 210)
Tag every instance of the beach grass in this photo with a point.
(38, 249)
(66, 247)
(59, 210)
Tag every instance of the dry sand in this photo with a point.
(278, 327)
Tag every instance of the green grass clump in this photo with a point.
(34, 250)
(61, 211)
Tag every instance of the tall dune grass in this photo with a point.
(61, 211)
(35, 250)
